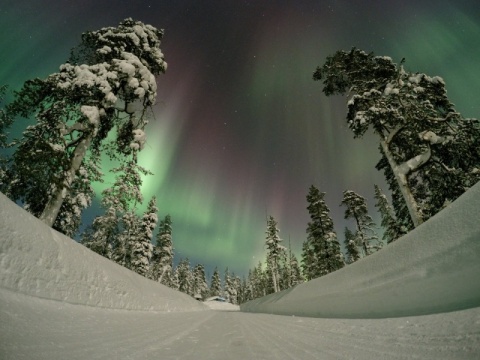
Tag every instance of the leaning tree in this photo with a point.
(430, 153)
(107, 87)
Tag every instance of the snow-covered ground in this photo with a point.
(58, 300)
(38, 261)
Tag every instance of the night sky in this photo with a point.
(241, 130)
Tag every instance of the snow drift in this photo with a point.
(39, 261)
(433, 269)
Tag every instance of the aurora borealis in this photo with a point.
(241, 130)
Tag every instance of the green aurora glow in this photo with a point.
(241, 130)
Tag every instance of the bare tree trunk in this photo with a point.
(162, 275)
(401, 171)
(275, 276)
(52, 208)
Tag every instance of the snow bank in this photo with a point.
(39, 261)
(433, 269)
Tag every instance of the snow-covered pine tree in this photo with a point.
(399, 205)
(364, 235)
(200, 286)
(321, 252)
(215, 284)
(430, 153)
(79, 198)
(393, 230)
(109, 82)
(351, 246)
(142, 247)
(162, 259)
(275, 251)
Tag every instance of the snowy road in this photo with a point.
(59, 300)
(33, 328)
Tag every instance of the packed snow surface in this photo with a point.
(59, 300)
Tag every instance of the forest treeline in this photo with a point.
(100, 101)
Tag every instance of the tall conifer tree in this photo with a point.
(215, 284)
(321, 251)
(364, 235)
(275, 252)
(200, 286)
(142, 247)
(162, 258)
(351, 246)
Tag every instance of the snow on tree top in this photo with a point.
(91, 112)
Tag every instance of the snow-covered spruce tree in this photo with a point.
(255, 282)
(433, 153)
(175, 283)
(109, 234)
(215, 284)
(200, 286)
(351, 246)
(275, 251)
(242, 292)
(142, 247)
(108, 83)
(5, 122)
(284, 271)
(295, 271)
(123, 245)
(185, 277)
(263, 280)
(5, 119)
(248, 287)
(364, 235)
(321, 251)
(102, 234)
(393, 230)
(291, 272)
(229, 288)
(162, 258)
(308, 262)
